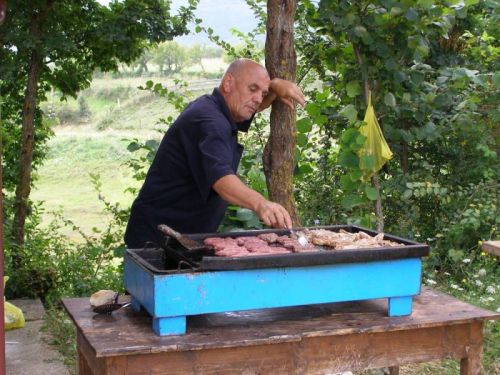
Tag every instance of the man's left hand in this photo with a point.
(288, 92)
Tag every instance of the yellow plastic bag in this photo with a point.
(14, 317)
(375, 143)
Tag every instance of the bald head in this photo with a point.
(240, 66)
(243, 87)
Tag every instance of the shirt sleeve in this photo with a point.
(215, 159)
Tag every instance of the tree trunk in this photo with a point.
(403, 157)
(281, 62)
(377, 204)
(28, 137)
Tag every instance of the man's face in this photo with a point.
(247, 91)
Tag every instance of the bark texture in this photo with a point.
(28, 138)
(281, 62)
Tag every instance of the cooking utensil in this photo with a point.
(188, 243)
(109, 308)
(302, 240)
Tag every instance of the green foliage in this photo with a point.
(74, 39)
(54, 266)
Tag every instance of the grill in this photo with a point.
(172, 282)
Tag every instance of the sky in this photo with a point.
(220, 16)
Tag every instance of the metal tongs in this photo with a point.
(302, 239)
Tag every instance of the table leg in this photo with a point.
(83, 366)
(471, 365)
(399, 306)
(170, 326)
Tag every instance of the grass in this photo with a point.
(64, 181)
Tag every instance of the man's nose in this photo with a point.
(258, 97)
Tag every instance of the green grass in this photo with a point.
(64, 179)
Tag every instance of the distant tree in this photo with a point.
(199, 52)
(171, 55)
(142, 62)
(49, 44)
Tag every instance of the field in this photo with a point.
(93, 138)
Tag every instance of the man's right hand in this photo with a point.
(273, 214)
(231, 189)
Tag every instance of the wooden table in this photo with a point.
(314, 339)
(492, 247)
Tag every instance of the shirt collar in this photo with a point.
(235, 126)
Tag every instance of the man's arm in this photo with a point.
(233, 190)
(287, 91)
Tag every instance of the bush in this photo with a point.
(53, 266)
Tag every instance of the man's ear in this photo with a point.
(227, 82)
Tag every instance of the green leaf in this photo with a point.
(390, 99)
(411, 15)
(321, 119)
(313, 109)
(320, 96)
(349, 134)
(355, 175)
(348, 159)
(368, 162)
(429, 97)
(353, 89)
(153, 144)
(417, 77)
(349, 112)
(198, 29)
(427, 3)
(305, 168)
(304, 125)
(351, 201)
(399, 76)
(471, 2)
(361, 139)
(408, 193)
(371, 193)
(133, 146)
(347, 184)
(244, 214)
(496, 79)
(301, 139)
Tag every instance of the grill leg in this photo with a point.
(135, 304)
(399, 306)
(169, 326)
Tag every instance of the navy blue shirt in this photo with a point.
(199, 148)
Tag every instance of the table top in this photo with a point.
(127, 332)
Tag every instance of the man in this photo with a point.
(193, 176)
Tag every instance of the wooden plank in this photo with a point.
(130, 332)
(471, 365)
(83, 367)
(86, 354)
(492, 247)
(314, 355)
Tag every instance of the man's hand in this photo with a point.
(231, 189)
(273, 214)
(288, 92)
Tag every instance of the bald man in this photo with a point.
(193, 176)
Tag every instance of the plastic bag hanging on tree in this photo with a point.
(375, 152)
(14, 317)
